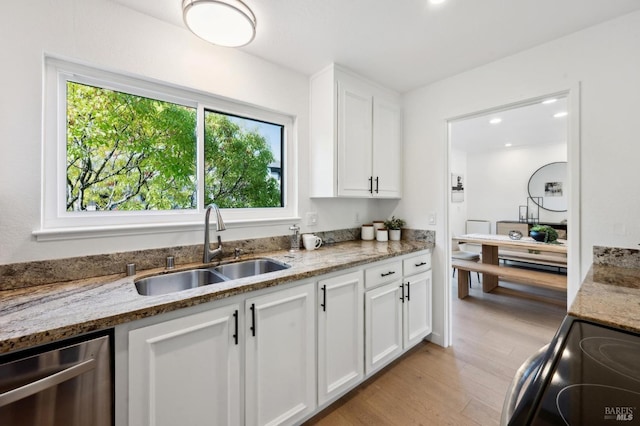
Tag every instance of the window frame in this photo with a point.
(58, 223)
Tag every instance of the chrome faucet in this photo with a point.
(208, 253)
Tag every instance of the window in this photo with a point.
(123, 154)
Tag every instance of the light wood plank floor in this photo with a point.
(462, 385)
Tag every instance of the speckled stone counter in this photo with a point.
(610, 293)
(31, 316)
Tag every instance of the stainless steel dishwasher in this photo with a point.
(68, 383)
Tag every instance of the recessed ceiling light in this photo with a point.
(560, 114)
(495, 120)
(436, 1)
(507, 145)
(550, 101)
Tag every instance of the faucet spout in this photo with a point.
(220, 226)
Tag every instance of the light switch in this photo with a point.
(431, 218)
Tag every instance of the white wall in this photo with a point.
(107, 35)
(497, 182)
(604, 59)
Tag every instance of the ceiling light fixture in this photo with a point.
(228, 23)
(550, 101)
(560, 114)
(507, 145)
(436, 1)
(496, 120)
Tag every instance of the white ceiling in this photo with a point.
(403, 44)
(530, 125)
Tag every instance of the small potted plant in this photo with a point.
(394, 225)
(543, 233)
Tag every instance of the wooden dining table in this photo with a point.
(491, 243)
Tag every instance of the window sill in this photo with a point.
(78, 233)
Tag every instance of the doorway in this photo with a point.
(492, 155)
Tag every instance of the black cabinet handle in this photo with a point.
(387, 273)
(324, 298)
(408, 291)
(253, 319)
(420, 264)
(235, 319)
(371, 184)
(402, 289)
(377, 182)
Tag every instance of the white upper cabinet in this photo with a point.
(356, 137)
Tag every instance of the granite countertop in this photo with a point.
(610, 295)
(45, 313)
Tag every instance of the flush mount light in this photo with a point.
(507, 145)
(228, 23)
(496, 120)
(436, 1)
(560, 114)
(549, 101)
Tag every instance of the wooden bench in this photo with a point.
(554, 259)
(535, 278)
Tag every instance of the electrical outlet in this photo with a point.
(312, 218)
(357, 218)
(431, 218)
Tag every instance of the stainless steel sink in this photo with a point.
(177, 281)
(248, 268)
(183, 280)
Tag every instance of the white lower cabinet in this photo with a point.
(340, 334)
(383, 329)
(416, 308)
(186, 371)
(398, 313)
(259, 361)
(280, 356)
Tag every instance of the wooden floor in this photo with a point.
(464, 384)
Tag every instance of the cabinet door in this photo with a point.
(186, 371)
(417, 308)
(340, 334)
(354, 140)
(280, 360)
(387, 149)
(383, 325)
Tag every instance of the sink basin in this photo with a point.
(184, 280)
(177, 281)
(249, 268)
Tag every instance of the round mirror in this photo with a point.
(548, 187)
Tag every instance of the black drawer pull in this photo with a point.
(420, 264)
(386, 274)
(408, 291)
(402, 289)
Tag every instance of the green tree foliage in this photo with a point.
(236, 166)
(126, 152)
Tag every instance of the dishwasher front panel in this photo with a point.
(70, 385)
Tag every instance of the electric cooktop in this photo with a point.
(591, 377)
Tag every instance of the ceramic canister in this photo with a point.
(382, 235)
(367, 232)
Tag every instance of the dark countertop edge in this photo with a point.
(41, 337)
(609, 295)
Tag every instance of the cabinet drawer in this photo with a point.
(416, 264)
(384, 273)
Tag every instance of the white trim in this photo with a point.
(61, 234)
(57, 223)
